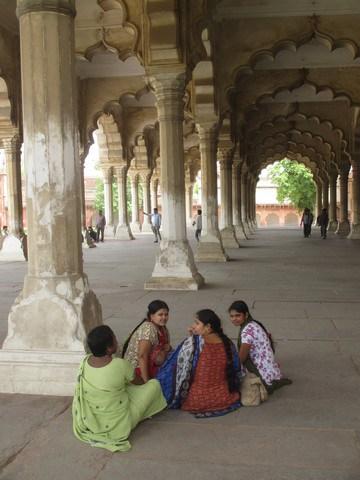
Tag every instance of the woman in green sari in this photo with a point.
(109, 400)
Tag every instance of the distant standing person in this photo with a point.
(100, 226)
(155, 219)
(323, 221)
(197, 223)
(306, 220)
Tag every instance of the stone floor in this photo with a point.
(305, 290)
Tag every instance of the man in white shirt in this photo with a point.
(155, 219)
(197, 223)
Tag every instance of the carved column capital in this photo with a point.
(65, 7)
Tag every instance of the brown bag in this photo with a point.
(252, 390)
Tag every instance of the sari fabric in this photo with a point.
(106, 407)
(177, 374)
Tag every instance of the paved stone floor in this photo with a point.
(305, 290)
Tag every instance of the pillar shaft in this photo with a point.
(82, 192)
(175, 268)
(123, 231)
(325, 193)
(318, 199)
(12, 147)
(135, 201)
(244, 203)
(332, 204)
(108, 195)
(189, 188)
(355, 224)
(236, 200)
(55, 308)
(227, 232)
(154, 193)
(344, 226)
(145, 183)
(210, 247)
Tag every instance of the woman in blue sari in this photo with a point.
(202, 374)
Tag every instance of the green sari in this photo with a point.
(106, 406)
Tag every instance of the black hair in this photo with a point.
(99, 339)
(153, 307)
(199, 212)
(241, 307)
(209, 317)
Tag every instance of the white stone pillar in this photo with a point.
(210, 247)
(325, 193)
(154, 193)
(249, 203)
(333, 223)
(11, 250)
(344, 224)
(189, 189)
(82, 191)
(12, 148)
(318, 203)
(227, 232)
(175, 268)
(108, 201)
(253, 203)
(244, 203)
(123, 230)
(145, 178)
(49, 319)
(236, 198)
(135, 219)
(355, 224)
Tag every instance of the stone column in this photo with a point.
(123, 231)
(227, 232)
(145, 178)
(210, 247)
(249, 203)
(154, 193)
(253, 203)
(11, 245)
(82, 191)
(244, 203)
(344, 224)
(325, 193)
(189, 189)
(236, 198)
(108, 201)
(318, 202)
(12, 148)
(355, 224)
(175, 268)
(49, 319)
(333, 223)
(135, 219)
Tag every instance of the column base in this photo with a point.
(146, 228)
(11, 250)
(60, 310)
(239, 232)
(175, 268)
(247, 230)
(210, 249)
(228, 238)
(109, 231)
(343, 228)
(39, 372)
(123, 232)
(135, 227)
(333, 225)
(354, 232)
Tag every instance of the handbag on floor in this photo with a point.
(252, 390)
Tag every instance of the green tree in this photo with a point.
(294, 183)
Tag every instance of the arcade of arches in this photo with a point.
(168, 88)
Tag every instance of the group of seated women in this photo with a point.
(202, 375)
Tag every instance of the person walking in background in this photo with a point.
(306, 220)
(100, 226)
(197, 223)
(155, 219)
(323, 221)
